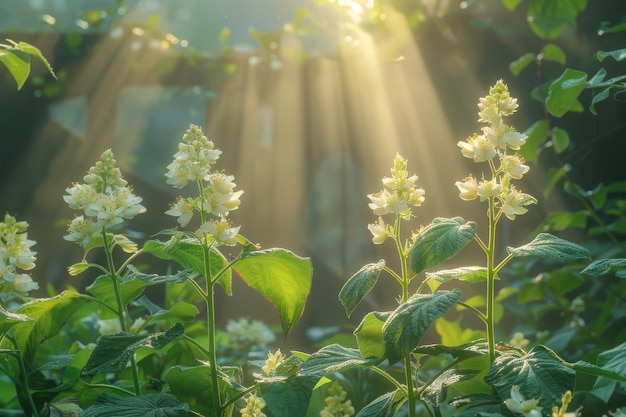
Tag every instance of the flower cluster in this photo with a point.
(105, 199)
(244, 333)
(15, 254)
(253, 408)
(193, 162)
(496, 140)
(336, 403)
(398, 196)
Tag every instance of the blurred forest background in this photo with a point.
(309, 101)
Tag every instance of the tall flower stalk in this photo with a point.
(398, 197)
(105, 200)
(216, 198)
(496, 146)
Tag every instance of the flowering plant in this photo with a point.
(113, 351)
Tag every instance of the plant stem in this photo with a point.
(210, 306)
(23, 375)
(121, 308)
(491, 281)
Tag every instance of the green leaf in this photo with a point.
(280, 276)
(49, 315)
(560, 139)
(382, 406)
(564, 91)
(477, 347)
(549, 18)
(151, 405)
(35, 52)
(554, 176)
(18, 64)
(290, 397)
(537, 136)
(598, 98)
(8, 320)
(189, 254)
(113, 352)
(192, 385)
(472, 274)
(511, 4)
(522, 62)
(437, 389)
(440, 240)
(551, 247)
(617, 54)
(359, 285)
(369, 335)
(562, 220)
(613, 360)
(552, 52)
(179, 311)
(407, 324)
(538, 374)
(603, 267)
(333, 358)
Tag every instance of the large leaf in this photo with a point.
(369, 335)
(8, 320)
(189, 254)
(604, 266)
(113, 352)
(548, 18)
(407, 324)
(49, 315)
(333, 358)
(280, 276)
(192, 385)
(382, 406)
(151, 405)
(440, 240)
(564, 91)
(613, 360)
(359, 285)
(538, 374)
(288, 397)
(551, 247)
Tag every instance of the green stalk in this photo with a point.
(491, 296)
(121, 308)
(210, 306)
(23, 375)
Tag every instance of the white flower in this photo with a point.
(81, 231)
(468, 188)
(477, 147)
(220, 231)
(518, 404)
(514, 166)
(379, 230)
(182, 209)
(488, 189)
(514, 202)
(20, 283)
(378, 203)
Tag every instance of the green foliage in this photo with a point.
(16, 57)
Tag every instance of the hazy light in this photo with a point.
(48, 19)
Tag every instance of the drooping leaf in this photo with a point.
(470, 274)
(407, 324)
(604, 266)
(564, 91)
(440, 240)
(538, 374)
(189, 254)
(150, 405)
(551, 247)
(369, 335)
(333, 358)
(113, 352)
(280, 276)
(18, 64)
(522, 62)
(8, 320)
(436, 390)
(359, 285)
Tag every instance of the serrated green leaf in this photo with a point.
(603, 267)
(554, 53)
(436, 391)
(617, 54)
(613, 360)
(407, 324)
(369, 335)
(382, 406)
(290, 397)
(280, 276)
(560, 139)
(564, 91)
(359, 285)
(150, 405)
(333, 358)
(472, 274)
(440, 240)
(522, 62)
(477, 347)
(189, 254)
(113, 352)
(537, 374)
(35, 52)
(551, 247)
(537, 136)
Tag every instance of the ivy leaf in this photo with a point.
(551, 247)
(369, 335)
(113, 352)
(603, 267)
(564, 91)
(280, 276)
(407, 324)
(333, 358)
(440, 240)
(359, 285)
(538, 374)
(189, 254)
(151, 405)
